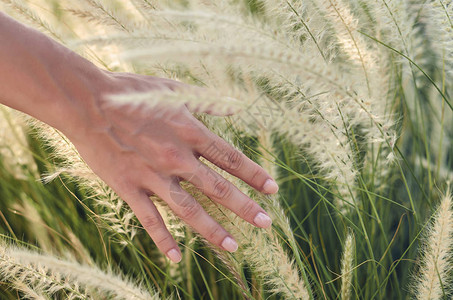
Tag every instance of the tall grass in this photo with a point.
(347, 103)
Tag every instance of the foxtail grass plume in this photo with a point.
(434, 281)
(46, 274)
(347, 265)
(117, 216)
(14, 151)
(260, 250)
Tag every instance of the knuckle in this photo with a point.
(186, 166)
(215, 234)
(192, 134)
(222, 189)
(182, 169)
(151, 222)
(181, 198)
(256, 174)
(234, 160)
(171, 156)
(248, 208)
(190, 211)
(125, 187)
(173, 159)
(164, 240)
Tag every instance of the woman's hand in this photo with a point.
(136, 152)
(139, 151)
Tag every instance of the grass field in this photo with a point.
(347, 103)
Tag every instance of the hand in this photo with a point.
(136, 151)
(139, 151)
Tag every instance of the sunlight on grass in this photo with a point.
(347, 103)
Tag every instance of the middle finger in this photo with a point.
(216, 187)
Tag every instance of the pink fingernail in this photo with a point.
(229, 244)
(270, 187)
(174, 255)
(262, 220)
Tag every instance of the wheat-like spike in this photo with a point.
(233, 267)
(61, 146)
(215, 23)
(231, 263)
(274, 266)
(439, 20)
(37, 278)
(197, 100)
(107, 14)
(144, 5)
(395, 24)
(68, 274)
(328, 146)
(206, 44)
(27, 208)
(347, 265)
(441, 119)
(32, 18)
(267, 148)
(210, 25)
(345, 26)
(28, 292)
(261, 249)
(272, 203)
(397, 27)
(301, 24)
(310, 70)
(118, 216)
(92, 277)
(433, 282)
(337, 114)
(91, 17)
(16, 156)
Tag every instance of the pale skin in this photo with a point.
(137, 152)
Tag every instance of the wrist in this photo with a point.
(47, 80)
(80, 111)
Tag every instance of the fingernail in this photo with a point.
(229, 244)
(270, 187)
(262, 220)
(174, 255)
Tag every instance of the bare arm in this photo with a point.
(136, 153)
(41, 77)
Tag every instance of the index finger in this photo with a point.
(225, 156)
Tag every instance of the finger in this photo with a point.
(151, 220)
(225, 193)
(236, 163)
(193, 214)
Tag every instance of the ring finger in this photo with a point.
(216, 187)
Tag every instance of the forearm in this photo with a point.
(43, 78)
